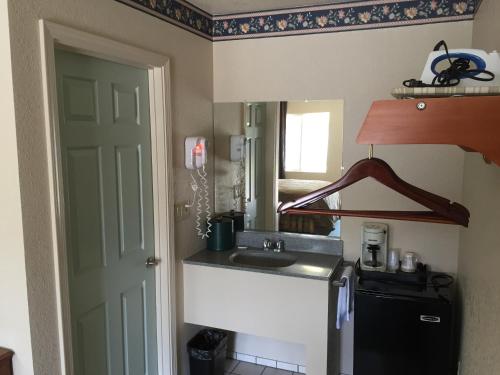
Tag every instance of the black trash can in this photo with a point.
(207, 352)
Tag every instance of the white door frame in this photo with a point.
(52, 35)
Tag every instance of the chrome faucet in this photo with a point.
(268, 244)
(279, 246)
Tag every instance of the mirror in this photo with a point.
(271, 152)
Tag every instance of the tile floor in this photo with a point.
(244, 368)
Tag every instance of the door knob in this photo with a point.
(152, 261)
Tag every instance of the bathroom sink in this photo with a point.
(266, 259)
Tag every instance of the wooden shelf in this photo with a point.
(6, 361)
(472, 123)
(444, 92)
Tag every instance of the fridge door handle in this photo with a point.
(430, 319)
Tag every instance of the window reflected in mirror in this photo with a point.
(307, 142)
(272, 152)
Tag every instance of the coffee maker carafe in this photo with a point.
(374, 247)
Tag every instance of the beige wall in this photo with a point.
(479, 255)
(14, 319)
(358, 67)
(192, 77)
(479, 278)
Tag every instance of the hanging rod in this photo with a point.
(422, 216)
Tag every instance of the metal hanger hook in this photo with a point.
(370, 151)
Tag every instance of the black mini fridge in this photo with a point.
(404, 329)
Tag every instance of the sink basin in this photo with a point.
(264, 259)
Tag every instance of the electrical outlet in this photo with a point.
(181, 211)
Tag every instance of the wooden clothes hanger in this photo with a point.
(442, 210)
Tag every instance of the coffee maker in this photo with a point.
(374, 247)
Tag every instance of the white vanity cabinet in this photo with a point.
(286, 308)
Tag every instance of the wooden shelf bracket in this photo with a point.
(472, 123)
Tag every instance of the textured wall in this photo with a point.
(228, 120)
(479, 278)
(479, 254)
(192, 89)
(14, 319)
(359, 67)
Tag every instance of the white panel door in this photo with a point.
(106, 158)
(255, 121)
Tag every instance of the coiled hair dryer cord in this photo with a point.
(459, 69)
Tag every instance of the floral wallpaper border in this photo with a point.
(177, 12)
(342, 17)
(308, 20)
